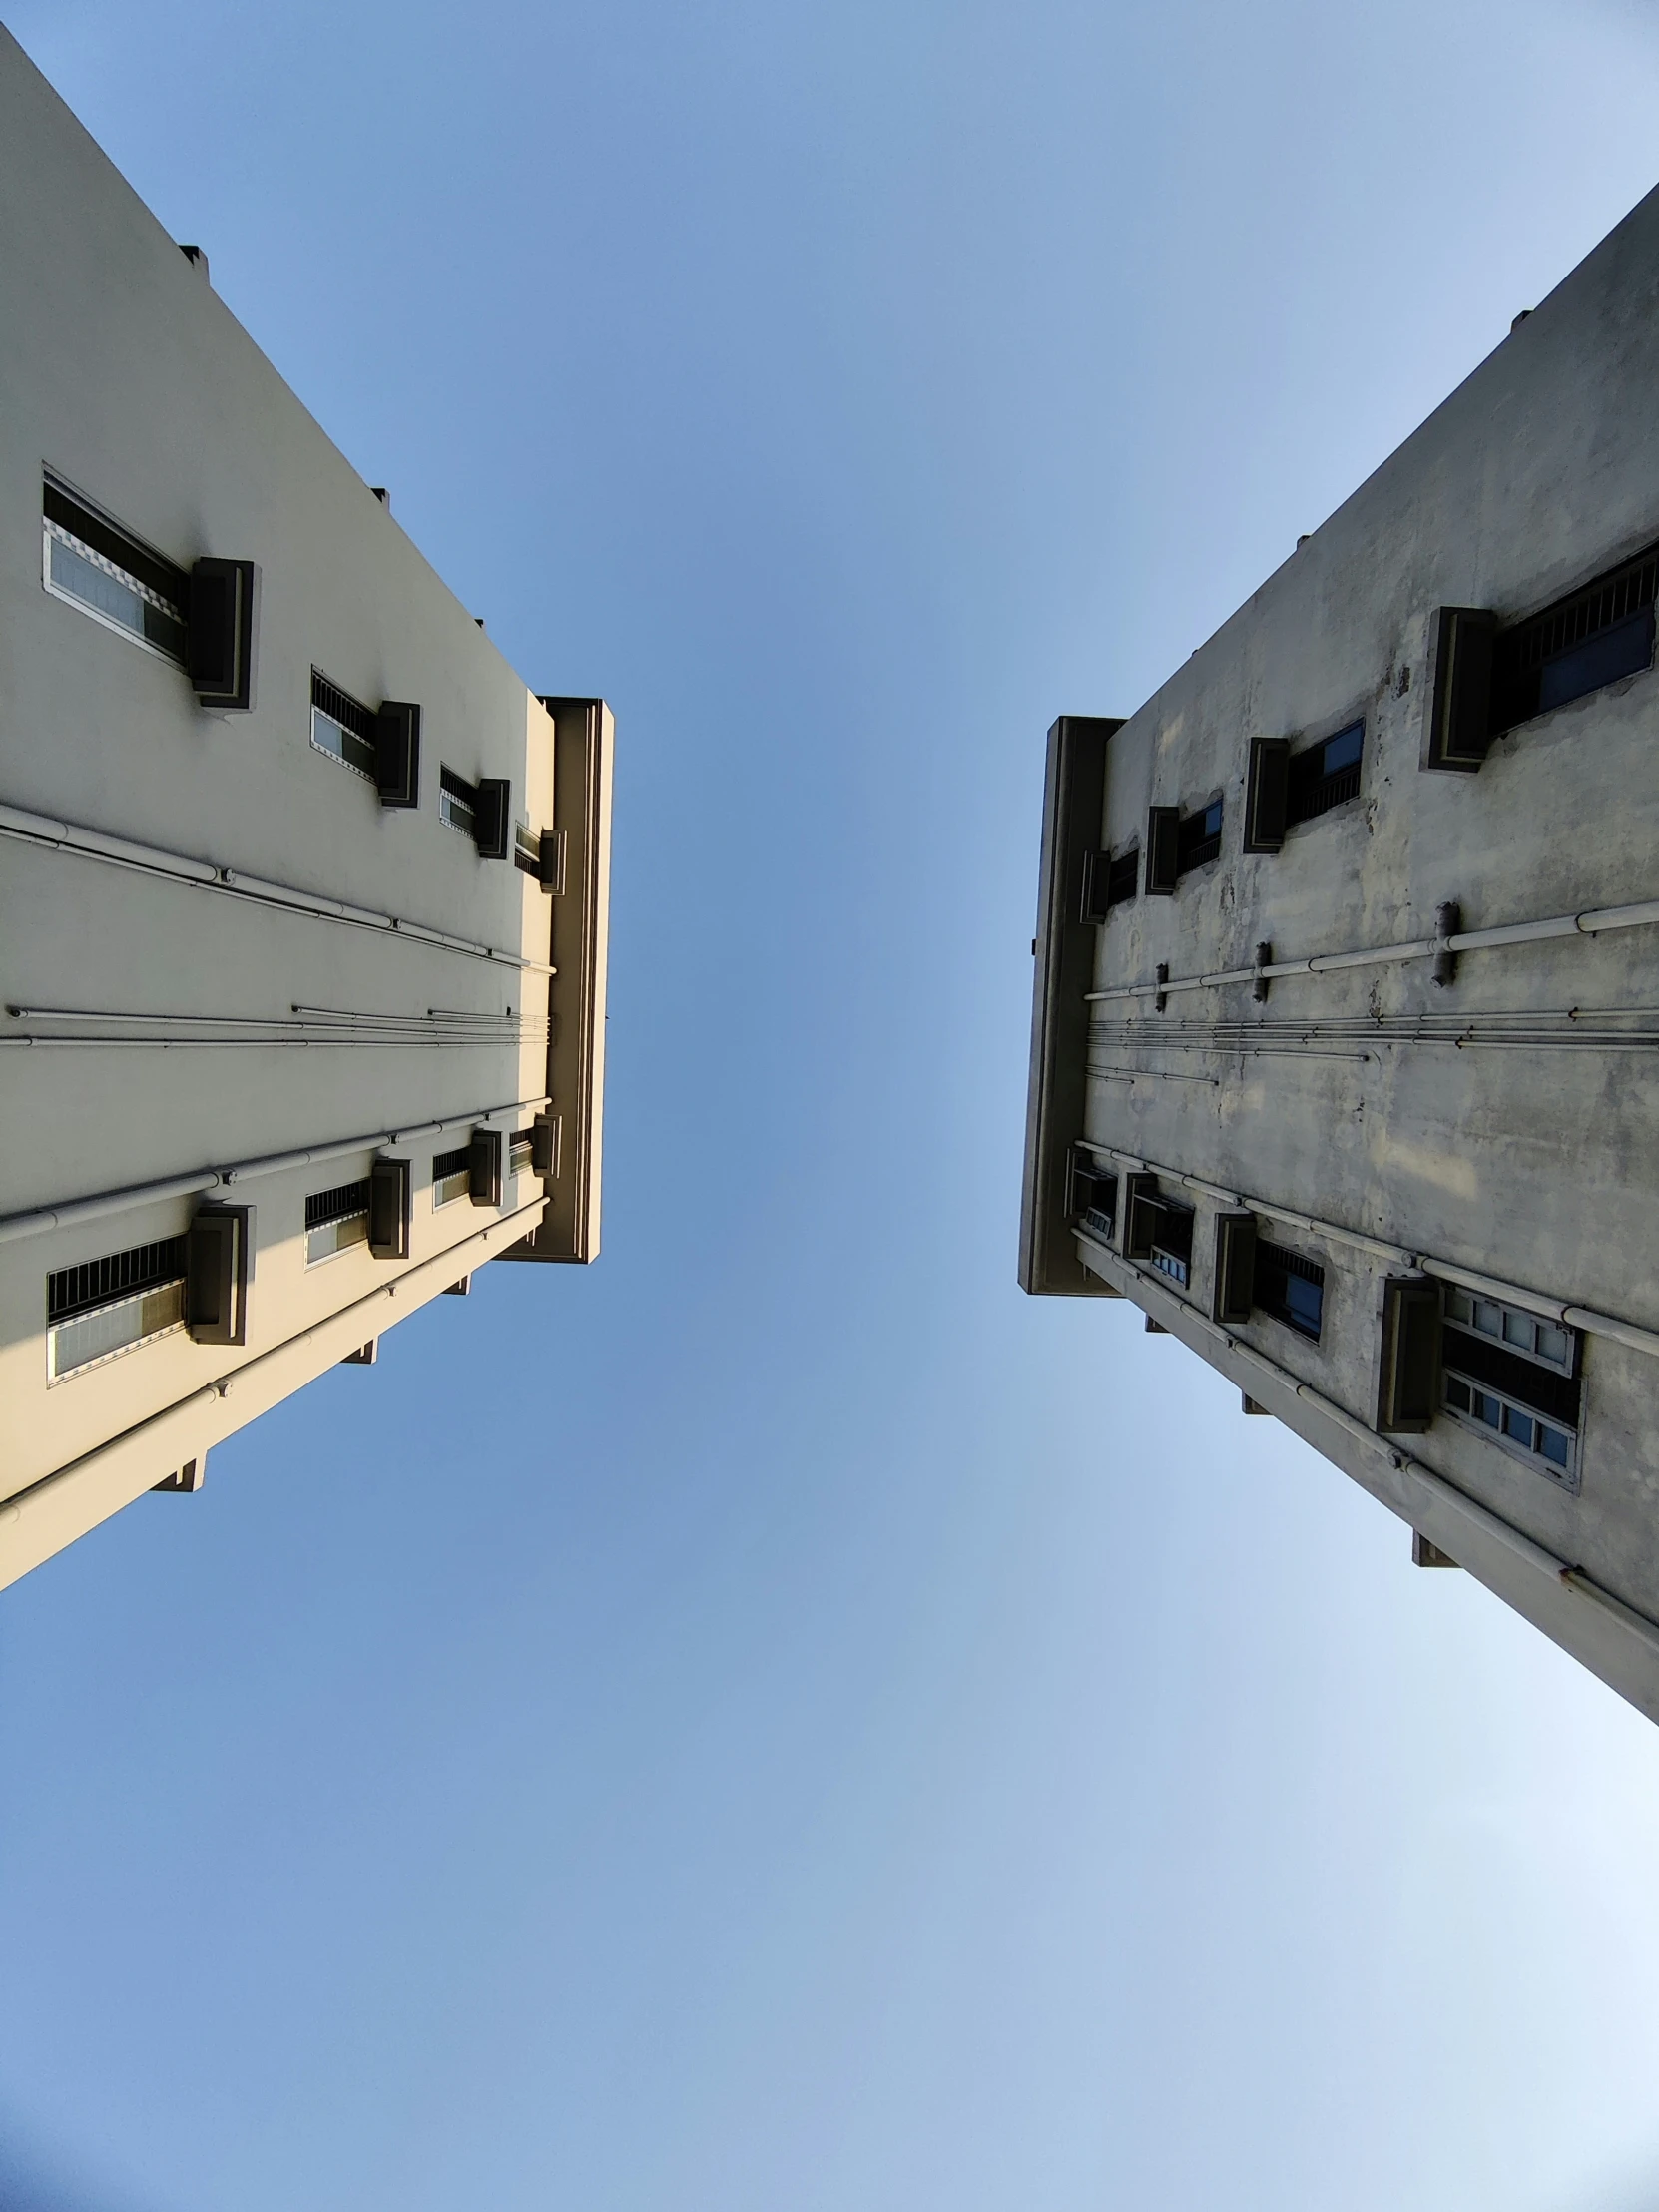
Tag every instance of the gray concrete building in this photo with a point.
(1346, 1022)
(302, 893)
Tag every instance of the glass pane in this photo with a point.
(1556, 1449)
(340, 743)
(333, 1235)
(1553, 1342)
(1459, 1306)
(1518, 1329)
(1488, 1409)
(1342, 750)
(117, 598)
(1488, 1318)
(1457, 1395)
(1518, 1426)
(129, 1320)
(1304, 1301)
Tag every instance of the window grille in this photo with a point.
(526, 848)
(113, 1304)
(96, 564)
(342, 727)
(1290, 1287)
(1160, 1232)
(451, 1175)
(1324, 776)
(458, 803)
(335, 1219)
(518, 1152)
(1592, 637)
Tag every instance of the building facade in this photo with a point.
(1345, 1027)
(302, 893)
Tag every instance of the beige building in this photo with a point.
(1346, 1035)
(303, 893)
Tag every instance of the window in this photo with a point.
(457, 801)
(342, 727)
(1178, 842)
(1290, 1288)
(518, 1152)
(335, 1219)
(1108, 883)
(1159, 1229)
(1514, 1374)
(1323, 776)
(1092, 1193)
(1197, 839)
(113, 1304)
(480, 810)
(1593, 637)
(451, 1175)
(526, 847)
(97, 566)
(1489, 678)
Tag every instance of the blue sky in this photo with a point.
(779, 1720)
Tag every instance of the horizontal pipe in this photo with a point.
(96, 844)
(1589, 923)
(1586, 1317)
(75, 1211)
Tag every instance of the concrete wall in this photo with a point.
(1533, 1166)
(124, 374)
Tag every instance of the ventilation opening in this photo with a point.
(1324, 776)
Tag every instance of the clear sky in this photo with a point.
(778, 1722)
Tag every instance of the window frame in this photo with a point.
(165, 1277)
(321, 680)
(1461, 1309)
(55, 530)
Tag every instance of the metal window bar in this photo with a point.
(143, 563)
(94, 1283)
(344, 1202)
(1197, 839)
(1324, 776)
(1523, 653)
(457, 801)
(1290, 1287)
(341, 707)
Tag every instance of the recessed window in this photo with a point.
(458, 803)
(1159, 1229)
(113, 1304)
(1108, 883)
(1198, 839)
(1092, 1193)
(1290, 1287)
(1513, 1375)
(92, 563)
(342, 727)
(1596, 635)
(526, 847)
(451, 1175)
(1178, 842)
(335, 1219)
(1324, 776)
(518, 1152)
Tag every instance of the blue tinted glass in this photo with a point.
(1342, 750)
(1518, 1426)
(1553, 1445)
(1305, 1299)
(1618, 652)
(1457, 1395)
(1212, 820)
(1487, 1408)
